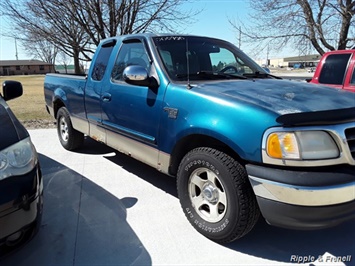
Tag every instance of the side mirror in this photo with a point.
(138, 75)
(11, 89)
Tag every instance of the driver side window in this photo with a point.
(132, 53)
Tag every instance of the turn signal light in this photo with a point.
(283, 145)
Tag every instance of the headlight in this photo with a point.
(301, 145)
(17, 159)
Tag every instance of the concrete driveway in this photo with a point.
(105, 208)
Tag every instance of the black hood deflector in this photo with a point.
(318, 118)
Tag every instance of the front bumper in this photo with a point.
(21, 203)
(304, 199)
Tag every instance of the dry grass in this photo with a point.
(31, 105)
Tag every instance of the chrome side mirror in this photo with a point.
(136, 75)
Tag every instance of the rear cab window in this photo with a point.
(334, 69)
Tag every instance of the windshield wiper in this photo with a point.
(258, 74)
(211, 75)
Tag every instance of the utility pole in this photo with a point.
(16, 55)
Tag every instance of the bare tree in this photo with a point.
(325, 24)
(64, 61)
(41, 49)
(42, 20)
(75, 27)
(107, 18)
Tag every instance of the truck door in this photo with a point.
(131, 113)
(93, 90)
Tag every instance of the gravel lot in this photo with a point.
(39, 123)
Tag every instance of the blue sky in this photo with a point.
(212, 21)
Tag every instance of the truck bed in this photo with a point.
(68, 87)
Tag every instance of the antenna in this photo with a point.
(188, 64)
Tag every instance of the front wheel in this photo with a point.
(216, 196)
(70, 138)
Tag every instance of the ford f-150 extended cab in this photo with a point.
(240, 141)
(336, 69)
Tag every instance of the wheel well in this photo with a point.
(57, 104)
(191, 142)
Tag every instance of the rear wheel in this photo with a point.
(70, 138)
(216, 196)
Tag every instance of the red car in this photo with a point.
(336, 69)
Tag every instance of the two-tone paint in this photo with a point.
(159, 126)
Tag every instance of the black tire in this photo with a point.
(216, 196)
(70, 138)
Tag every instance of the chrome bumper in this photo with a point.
(316, 187)
(308, 198)
(303, 195)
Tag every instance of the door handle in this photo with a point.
(106, 97)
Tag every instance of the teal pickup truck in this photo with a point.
(240, 141)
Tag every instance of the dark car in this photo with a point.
(21, 184)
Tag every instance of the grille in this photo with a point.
(350, 137)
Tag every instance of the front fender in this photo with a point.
(240, 126)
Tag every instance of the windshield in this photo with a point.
(199, 58)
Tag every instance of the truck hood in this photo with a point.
(282, 97)
(11, 130)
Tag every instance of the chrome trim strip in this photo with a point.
(140, 151)
(301, 195)
(337, 132)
